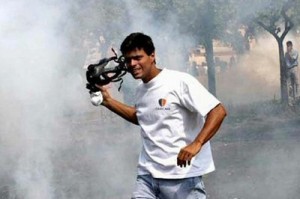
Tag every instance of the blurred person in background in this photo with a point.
(291, 60)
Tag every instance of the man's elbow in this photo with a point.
(221, 111)
(136, 122)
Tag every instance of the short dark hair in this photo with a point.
(289, 43)
(137, 40)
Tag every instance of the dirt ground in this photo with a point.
(256, 154)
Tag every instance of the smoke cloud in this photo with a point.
(53, 142)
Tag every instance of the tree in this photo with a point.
(278, 21)
(279, 35)
(278, 17)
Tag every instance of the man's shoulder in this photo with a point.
(177, 74)
(182, 78)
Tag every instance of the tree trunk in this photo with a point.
(210, 64)
(283, 73)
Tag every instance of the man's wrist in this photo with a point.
(107, 102)
(199, 142)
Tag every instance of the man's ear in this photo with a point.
(152, 56)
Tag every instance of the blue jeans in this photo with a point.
(147, 187)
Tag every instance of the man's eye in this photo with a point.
(136, 58)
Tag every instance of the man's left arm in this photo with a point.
(212, 123)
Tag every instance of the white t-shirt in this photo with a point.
(171, 110)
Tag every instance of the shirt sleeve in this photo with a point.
(195, 97)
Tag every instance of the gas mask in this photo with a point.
(102, 74)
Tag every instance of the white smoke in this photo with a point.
(32, 51)
(53, 142)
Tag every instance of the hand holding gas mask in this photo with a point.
(100, 74)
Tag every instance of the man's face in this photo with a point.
(289, 48)
(140, 65)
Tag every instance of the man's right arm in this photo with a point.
(294, 58)
(121, 109)
(294, 55)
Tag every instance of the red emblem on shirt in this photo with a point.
(162, 102)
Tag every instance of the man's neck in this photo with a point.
(154, 72)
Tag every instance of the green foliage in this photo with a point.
(295, 14)
(269, 12)
(200, 18)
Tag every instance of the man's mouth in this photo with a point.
(135, 71)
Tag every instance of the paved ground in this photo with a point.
(257, 158)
